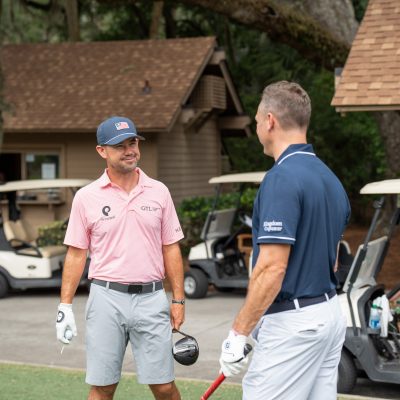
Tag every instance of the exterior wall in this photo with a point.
(184, 161)
(187, 160)
(78, 159)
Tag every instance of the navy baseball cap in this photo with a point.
(115, 130)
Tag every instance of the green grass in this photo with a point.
(22, 382)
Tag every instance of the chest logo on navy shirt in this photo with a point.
(149, 208)
(273, 226)
(106, 212)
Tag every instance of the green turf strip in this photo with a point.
(22, 382)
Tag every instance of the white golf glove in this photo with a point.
(65, 325)
(233, 359)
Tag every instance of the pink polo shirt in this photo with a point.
(124, 232)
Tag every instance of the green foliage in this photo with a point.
(52, 234)
(130, 21)
(193, 212)
(359, 8)
(350, 145)
(22, 22)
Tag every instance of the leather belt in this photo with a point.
(287, 305)
(131, 289)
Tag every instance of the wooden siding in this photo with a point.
(187, 160)
(78, 159)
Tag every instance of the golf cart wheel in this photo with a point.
(347, 373)
(3, 286)
(195, 284)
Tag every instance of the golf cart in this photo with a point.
(365, 349)
(223, 256)
(24, 263)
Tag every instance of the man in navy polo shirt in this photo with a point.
(300, 213)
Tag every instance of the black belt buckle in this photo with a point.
(135, 289)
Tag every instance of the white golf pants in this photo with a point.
(296, 355)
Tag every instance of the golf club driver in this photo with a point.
(185, 350)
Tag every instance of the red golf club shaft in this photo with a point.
(213, 387)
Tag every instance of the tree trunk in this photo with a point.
(321, 30)
(71, 8)
(169, 17)
(389, 127)
(156, 19)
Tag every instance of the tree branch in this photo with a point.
(38, 6)
(310, 26)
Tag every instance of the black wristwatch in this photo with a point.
(174, 301)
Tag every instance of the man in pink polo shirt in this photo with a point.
(128, 223)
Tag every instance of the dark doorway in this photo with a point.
(10, 166)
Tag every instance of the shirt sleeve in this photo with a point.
(171, 230)
(280, 210)
(77, 232)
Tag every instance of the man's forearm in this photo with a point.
(262, 290)
(73, 269)
(265, 284)
(174, 269)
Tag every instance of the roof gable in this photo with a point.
(371, 77)
(74, 86)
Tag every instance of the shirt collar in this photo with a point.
(302, 148)
(144, 180)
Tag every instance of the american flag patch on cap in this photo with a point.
(121, 125)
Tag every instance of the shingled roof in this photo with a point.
(74, 86)
(371, 77)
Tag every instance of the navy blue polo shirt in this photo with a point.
(302, 203)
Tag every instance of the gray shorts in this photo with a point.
(112, 320)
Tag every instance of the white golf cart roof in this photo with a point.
(244, 177)
(33, 184)
(388, 186)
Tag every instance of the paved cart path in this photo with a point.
(27, 335)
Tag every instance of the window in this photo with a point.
(28, 165)
(41, 166)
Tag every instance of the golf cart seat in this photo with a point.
(218, 224)
(46, 251)
(17, 230)
(370, 264)
(345, 260)
(244, 244)
(18, 238)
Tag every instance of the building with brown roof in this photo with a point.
(370, 80)
(178, 92)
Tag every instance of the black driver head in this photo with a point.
(186, 350)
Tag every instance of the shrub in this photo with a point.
(52, 234)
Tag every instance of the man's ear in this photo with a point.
(270, 122)
(102, 151)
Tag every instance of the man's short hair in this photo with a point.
(289, 102)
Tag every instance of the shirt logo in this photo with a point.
(121, 125)
(106, 210)
(60, 316)
(273, 226)
(149, 208)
